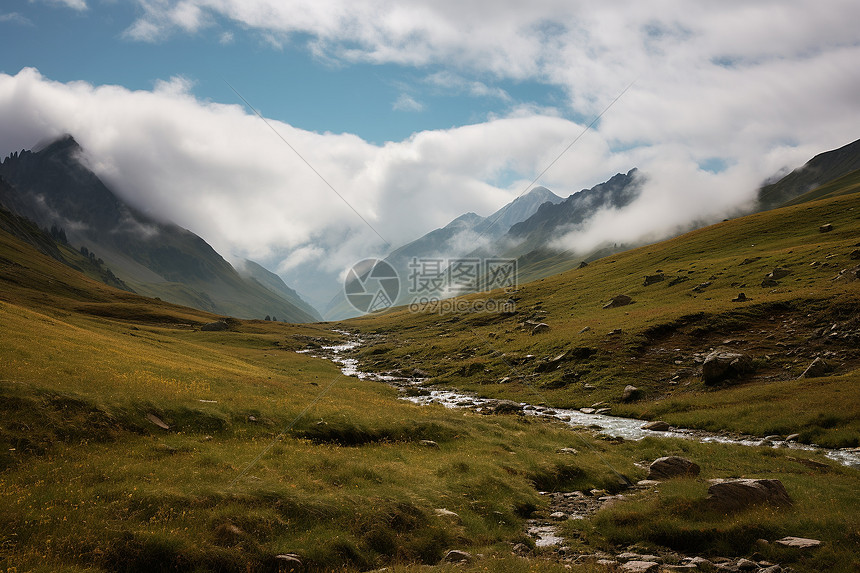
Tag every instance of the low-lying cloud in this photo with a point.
(725, 96)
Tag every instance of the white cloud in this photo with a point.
(79, 5)
(407, 103)
(758, 86)
(15, 18)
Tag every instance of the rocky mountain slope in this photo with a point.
(52, 187)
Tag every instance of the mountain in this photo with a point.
(256, 272)
(552, 220)
(821, 169)
(53, 188)
(455, 240)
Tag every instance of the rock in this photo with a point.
(540, 327)
(736, 495)
(600, 411)
(447, 514)
(701, 286)
(700, 562)
(457, 556)
(627, 556)
(855, 254)
(640, 566)
(558, 516)
(778, 273)
(582, 265)
(672, 466)
(429, 444)
(157, 421)
(678, 280)
(826, 228)
(217, 326)
(721, 365)
(587, 410)
(799, 542)
(418, 373)
(570, 451)
(819, 367)
(792, 437)
(656, 426)
(747, 565)
(651, 279)
(585, 329)
(288, 562)
(771, 569)
(740, 298)
(619, 300)
(506, 407)
(769, 283)
(521, 549)
(615, 332)
(630, 393)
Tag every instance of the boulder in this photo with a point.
(506, 407)
(630, 393)
(672, 466)
(429, 444)
(447, 514)
(216, 326)
(651, 279)
(558, 516)
(640, 566)
(736, 495)
(819, 367)
(457, 556)
(721, 365)
(740, 298)
(656, 426)
(799, 542)
(289, 562)
(769, 283)
(618, 300)
(587, 410)
(540, 327)
(747, 565)
(778, 273)
(701, 286)
(582, 265)
(826, 228)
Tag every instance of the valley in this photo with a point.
(135, 439)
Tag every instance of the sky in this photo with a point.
(308, 135)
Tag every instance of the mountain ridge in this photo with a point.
(53, 187)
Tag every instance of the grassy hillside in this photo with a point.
(659, 341)
(130, 440)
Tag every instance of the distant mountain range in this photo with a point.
(53, 188)
(77, 219)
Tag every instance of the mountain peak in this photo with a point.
(65, 144)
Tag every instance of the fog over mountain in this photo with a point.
(717, 100)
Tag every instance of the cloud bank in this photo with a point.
(725, 95)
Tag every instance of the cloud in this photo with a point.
(753, 87)
(15, 18)
(79, 5)
(407, 103)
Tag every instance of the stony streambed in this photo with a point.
(614, 426)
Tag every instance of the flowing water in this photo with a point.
(615, 426)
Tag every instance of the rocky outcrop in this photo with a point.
(671, 467)
(818, 368)
(619, 300)
(737, 495)
(722, 365)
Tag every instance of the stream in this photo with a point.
(614, 426)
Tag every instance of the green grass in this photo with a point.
(269, 451)
(665, 327)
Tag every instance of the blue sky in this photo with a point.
(378, 102)
(418, 112)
